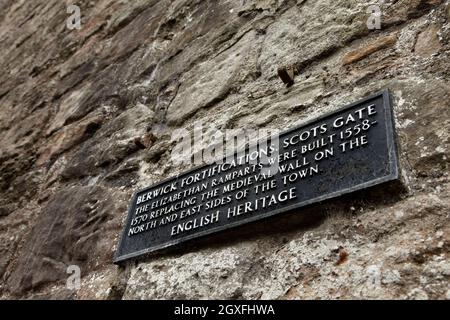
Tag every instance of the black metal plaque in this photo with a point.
(351, 149)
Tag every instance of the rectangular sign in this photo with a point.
(351, 149)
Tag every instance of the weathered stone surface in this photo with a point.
(68, 137)
(310, 264)
(401, 11)
(363, 52)
(73, 229)
(212, 81)
(114, 142)
(87, 118)
(310, 30)
(428, 41)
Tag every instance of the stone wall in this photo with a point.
(87, 117)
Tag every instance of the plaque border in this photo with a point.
(393, 175)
